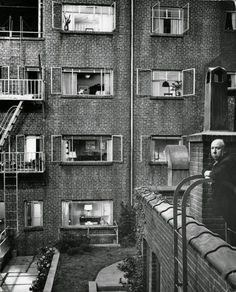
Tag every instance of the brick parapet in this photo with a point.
(210, 258)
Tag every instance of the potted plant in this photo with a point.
(176, 87)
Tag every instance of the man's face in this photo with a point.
(217, 149)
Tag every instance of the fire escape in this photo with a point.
(14, 158)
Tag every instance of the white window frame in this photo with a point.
(234, 74)
(61, 138)
(231, 12)
(32, 212)
(184, 18)
(193, 81)
(166, 138)
(112, 6)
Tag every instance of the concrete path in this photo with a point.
(110, 277)
(18, 275)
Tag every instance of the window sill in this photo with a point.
(86, 227)
(167, 97)
(87, 32)
(23, 38)
(86, 163)
(158, 163)
(230, 30)
(167, 35)
(33, 228)
(84, 96)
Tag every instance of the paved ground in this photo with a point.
(18, 275)
(110, 276)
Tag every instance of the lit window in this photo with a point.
(88, 18)
(87, 213)
(158, 145)
(166, 20)
(231, 79)
(86, 82)
(33, 213)
(166, 83)
(87, 148)
(230, 21)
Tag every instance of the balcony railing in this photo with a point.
(22, 162)
(21, 89)
(5, 33)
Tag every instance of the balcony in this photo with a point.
(24, 162)
(22, 89)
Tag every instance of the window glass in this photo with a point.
(33, 213)
(231, 79)
(230, 23)
(94, 148)
(168, 20)
(158, 147)
(96, 82)
(87, 213)
(88, 18)
(167, 83)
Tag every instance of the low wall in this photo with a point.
(211, 261)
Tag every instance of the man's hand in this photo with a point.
(207, 174)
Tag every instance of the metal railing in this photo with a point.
(22, 162)
(199, 179)
(30, 89)
(6, 33)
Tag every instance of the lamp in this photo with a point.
(165, 84)
(87, 76)
(88, 208)
(72, 155)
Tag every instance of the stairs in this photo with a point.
(10, 184)
(8, 122)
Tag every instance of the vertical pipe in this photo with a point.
(131, 101)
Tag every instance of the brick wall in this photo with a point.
(209, 257)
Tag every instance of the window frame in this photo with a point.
(184, 19)
(226, 15)
(148, 78)
(234, 74)
(32, 210)
(83, 215)
(61, 154)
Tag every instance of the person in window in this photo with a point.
(223, 174)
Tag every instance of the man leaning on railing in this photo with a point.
(223, 174)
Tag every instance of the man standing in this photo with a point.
(223, 174)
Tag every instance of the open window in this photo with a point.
(230, 23)
(87, 213)
(170, 20)
(22, 18)
(87, 148)
(170, 83)
(231, 79)
(88, 18)
(33, 213)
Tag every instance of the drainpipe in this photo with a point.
(131, 101)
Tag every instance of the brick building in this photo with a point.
(91, 92)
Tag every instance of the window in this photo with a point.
(230, 23)
(83, 18)
(81, 82)
(158, 145)
(86, 82)
(33, 213)
(231, 79)
(169, 20)
(171, 83)
(167, 83)
(87, 213)
(21, 18)
(87, 148)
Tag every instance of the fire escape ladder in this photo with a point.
(8, 122)
(10, 188)
(181, 262)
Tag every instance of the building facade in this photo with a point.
(91, 92)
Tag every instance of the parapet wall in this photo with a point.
(211, 261)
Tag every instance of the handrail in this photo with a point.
(6, 118)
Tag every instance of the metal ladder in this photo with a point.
(8, 121)
(182, 285)
(10, 188)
